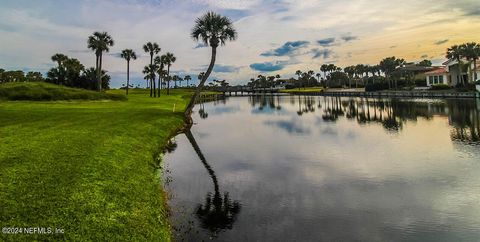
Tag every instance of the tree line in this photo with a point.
(384, 74)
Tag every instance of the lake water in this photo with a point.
(297, 168)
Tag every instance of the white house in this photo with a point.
(438, 75)
(448, 74)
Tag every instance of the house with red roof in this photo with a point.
(449, 73)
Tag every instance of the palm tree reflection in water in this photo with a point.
(218, 213)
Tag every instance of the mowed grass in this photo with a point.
(41, 91)
(303, 90)
(87, 167)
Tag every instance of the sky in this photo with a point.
(274, 36)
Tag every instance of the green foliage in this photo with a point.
(425, 63)
(440, 87)
(87, 167)
(41, 91)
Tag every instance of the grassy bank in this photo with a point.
(303, 90)
(86, 167)
(41, 91)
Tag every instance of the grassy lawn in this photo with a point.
(41, 91)
(87, 167)
(303, 90)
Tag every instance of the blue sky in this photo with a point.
(275, 36)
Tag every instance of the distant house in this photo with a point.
(439, 75)
(449, 74)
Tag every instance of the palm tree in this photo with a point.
(99, 42)
(169, 59)
(187, 78)
(219, 212)
(160, 62)
(152, 49)
(150, 72)
(215, 30)
(471, 51)
(128, 55)
(299, 74)
(455, 53)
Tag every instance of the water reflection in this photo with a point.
(217, 213)
(392, 114)
(329, 169)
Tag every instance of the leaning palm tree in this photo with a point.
(455, 53)
(219, 212)
(128, 55)
(213, 29)
(152, 49)
(471, 51)
(169, 59)
(99, 42)
(187, 78)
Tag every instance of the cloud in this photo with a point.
(326, 42)
(268, 66)
(441, 42)
(321, 53)
(225, 68)
(348, 38)
(424, 56)
(200, 45)
(287, 49)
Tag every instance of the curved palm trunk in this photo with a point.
(195, 146)
(128, 75)
(193, 100)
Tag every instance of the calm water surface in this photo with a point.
(295, 168)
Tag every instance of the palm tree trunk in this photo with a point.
(460, 76)
(154, 88)
(193, 100)
(200, 155)
(168, 80)
(159, 84)
(128, 75)
(99, 73)
(474, 70)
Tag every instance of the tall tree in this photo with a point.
(169, 60)
(215, 30)
(471, 51)
(99, 42)
(187, 78)
(160, 61)
(150, 72)
(128, 55)
(151, 49)
(455, 53)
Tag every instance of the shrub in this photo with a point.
(421, 82)
(440, 87)
(379, 86)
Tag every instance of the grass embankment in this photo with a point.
(303, 90)
(41, 91)
(86, 167)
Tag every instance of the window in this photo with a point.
(435, 80)
(440, 79)
(430, 80)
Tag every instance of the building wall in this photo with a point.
(436, 79)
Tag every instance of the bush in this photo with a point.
(379, 86)
(421, 82)
(440, 87)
